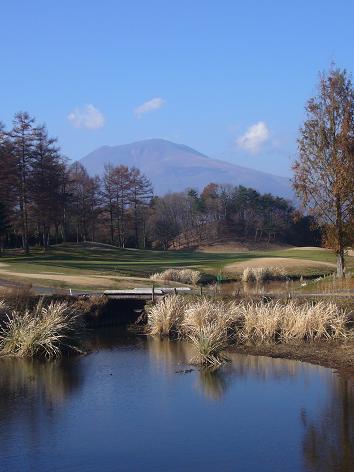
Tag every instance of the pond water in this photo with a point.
(327, 286)
(128, 407)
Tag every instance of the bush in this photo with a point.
(43, 332)
(209, 342)
(207, 324)
(185, 276)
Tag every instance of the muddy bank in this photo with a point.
(334, 355)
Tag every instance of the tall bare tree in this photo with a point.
(45, 184)
(324, 171)
(7, 185)
(121, 191)
(22, 137)
(140, 195)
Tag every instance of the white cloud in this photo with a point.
(87, 117)
(150, 105)
(255, 136)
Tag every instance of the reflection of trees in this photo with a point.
(329, 443)
(26, 384)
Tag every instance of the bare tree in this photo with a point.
(108, 197)
(324, 171)
(45, 182)
(22, 137)
(140, 195)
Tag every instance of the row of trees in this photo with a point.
(227, 212)
(44, 200)
(31, 182)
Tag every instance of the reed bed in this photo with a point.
(293, 322)
(262, 274)
(210, 343)
(165, 317)
(209, 327)
(185, 276)
(45, 331)
(212, 325)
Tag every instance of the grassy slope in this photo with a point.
(101, 260)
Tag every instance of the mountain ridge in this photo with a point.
(174, 167)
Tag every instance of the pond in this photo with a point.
(132, 405)
(326, 286)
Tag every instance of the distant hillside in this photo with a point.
(174, 167)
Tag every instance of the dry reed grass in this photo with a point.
(185, 276)
(42, 332)
(208, 325)
(291, 321)
(209, 342)
(211, 325)
(165, 316)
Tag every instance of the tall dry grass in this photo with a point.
(210, 342)
(42, 332)
(292, 322)
(208, 325)
(211, 325)
(166, 316)
(185, 276)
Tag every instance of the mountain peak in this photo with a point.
(174, 167)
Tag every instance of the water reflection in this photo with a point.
(175, 356)
(326, 285)
(27, 390)
(22, 378)
(213, 384)
(328, 443)
(167, 353)
(271, 287)
(129, 388)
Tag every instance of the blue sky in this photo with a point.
(229, 78)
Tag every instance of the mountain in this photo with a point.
(174, 167)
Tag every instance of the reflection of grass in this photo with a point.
(53, 379)
(99, 260)
(212, 383)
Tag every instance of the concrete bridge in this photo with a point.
(145, 293)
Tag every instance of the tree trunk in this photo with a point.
(340, 243)
(340, 263)
(111, 224)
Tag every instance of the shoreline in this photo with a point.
(332, 355)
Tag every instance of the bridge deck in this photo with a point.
(143, 293)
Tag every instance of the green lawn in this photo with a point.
(101, 260)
